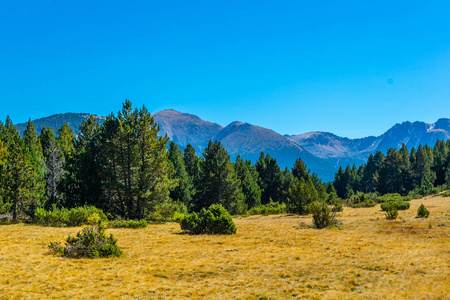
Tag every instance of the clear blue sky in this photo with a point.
(354, 68)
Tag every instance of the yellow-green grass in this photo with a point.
(270, 257)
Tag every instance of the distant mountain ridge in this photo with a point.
(56, 121)
(323, 152)
(413, 134)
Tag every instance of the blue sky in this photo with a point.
(354, 68)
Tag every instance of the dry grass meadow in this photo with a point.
(269, 258)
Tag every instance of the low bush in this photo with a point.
(322, 215)
(415, 195)
(337, 208)
(7, 220)
(127, 224)
(271, 208)
(177, 217)
(90, 242)
(360, 200)
(393, 198)
(214, 220)
(165, 212)
(435, 191)
(401, 205)
(63, 217)
(422, 212)
(446, 194)
(391, 212)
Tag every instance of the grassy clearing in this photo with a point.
(270, 256)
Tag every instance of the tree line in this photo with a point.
(124, 168)
(399, 171)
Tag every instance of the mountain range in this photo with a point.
(323, 152)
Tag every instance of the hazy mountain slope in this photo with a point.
(249, 140)
(413, 134)
(56, 121)
(185, 128)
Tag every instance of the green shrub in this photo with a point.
(177, 217)
(360, 200)
(422, 212)
(415, 194)
(446, 194)
(323, 217)
(337, 208)
(393, 198)
(391, 212)
(127, 224)
(63, 217)
(271, 208)
(165, 212)
(332, 198)
(434, 191)
(402, 205)
(215, 220)
(90, 242)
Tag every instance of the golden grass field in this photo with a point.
(269, 258)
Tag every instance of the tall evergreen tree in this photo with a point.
(23, 186)
(32, 143)
(219, 183)
(391, 174)
(302, 193)
(66, 140)
(249, 183)
(422, 166)
(299, 170)
(440, 152)
(270, 179)
(154, 173)
(84, 184)
(192, 164)
(183, 192)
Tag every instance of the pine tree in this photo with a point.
(154, 171)
(320, 187)
(440, 152)
(183, 192)
(422, 166)
(84, 186)
(299, 170)
(66, 140)
(249, 183)
(32, 143)
(391, 174)
(219, 183)
(270, 179)
(23, 186)
(302, 194)
(134, 171)
(192, 164)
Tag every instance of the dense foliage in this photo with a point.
(63, 217)
(405, 172)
